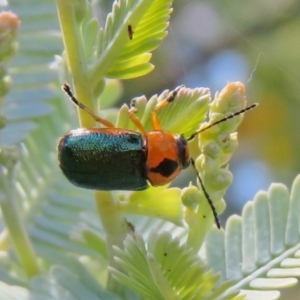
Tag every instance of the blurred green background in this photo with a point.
(210, 43)
(214, 42)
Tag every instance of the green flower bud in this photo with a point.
(9, 155)
(231, 144)
(82, 8)
(221, 179)
(212, 149)
(232, 97)
(190, 196)
(9, 28)
(206, 163)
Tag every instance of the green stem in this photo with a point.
(74, 51)
(14, 223)
(115, 226)
(134, 209)
(199, 223)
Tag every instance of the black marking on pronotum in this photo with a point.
(166, 167)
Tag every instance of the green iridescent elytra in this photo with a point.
(104, 159)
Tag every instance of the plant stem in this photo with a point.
(74, 51)
(14, 223)
(115, 225)
(198, 225)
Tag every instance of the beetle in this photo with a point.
(120, 159)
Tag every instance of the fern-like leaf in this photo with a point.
(30, 97)
(260, 250)
(159, 270)
(119, 56)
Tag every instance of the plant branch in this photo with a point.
(74, 51)
(14, 223)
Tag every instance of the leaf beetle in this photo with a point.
(120, 159)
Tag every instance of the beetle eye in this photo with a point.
(183, 151)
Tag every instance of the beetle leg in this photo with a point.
(66, 88)
(154, 117)
(134, 119)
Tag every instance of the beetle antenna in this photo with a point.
(66, 88)
(211, 204)
(223, 120)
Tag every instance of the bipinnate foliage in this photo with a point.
(52, 243)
